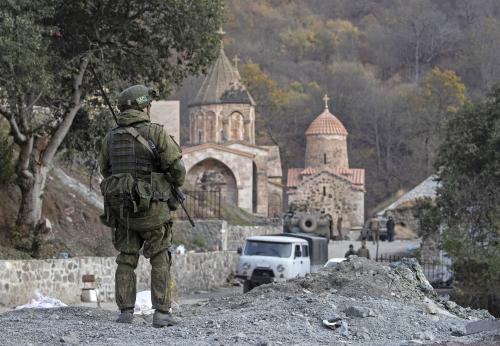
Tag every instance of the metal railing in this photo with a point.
(201, 204)
(439, 273)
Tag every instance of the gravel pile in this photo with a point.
(365, 303)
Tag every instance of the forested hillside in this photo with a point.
(395, 71)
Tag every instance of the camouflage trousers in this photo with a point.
(154, 244)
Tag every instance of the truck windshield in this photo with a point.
(262, 248)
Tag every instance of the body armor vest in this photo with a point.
(127, 155)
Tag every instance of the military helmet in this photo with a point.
(136, 97)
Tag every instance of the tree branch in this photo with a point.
(65, 125)
(35, 100)
(23, 162)
(18, 136)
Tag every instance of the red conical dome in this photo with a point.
(326, 124)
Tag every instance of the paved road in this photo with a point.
(339, 248)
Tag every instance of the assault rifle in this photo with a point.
(175, 190)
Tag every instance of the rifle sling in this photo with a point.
(137, 136)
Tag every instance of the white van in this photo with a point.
(266, 259)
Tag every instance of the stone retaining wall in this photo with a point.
(236, 235)
(215, 235)
(62, 278)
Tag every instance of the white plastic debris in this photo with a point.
(143, 305)
(39, 301)
(180, 250)
(333, 323)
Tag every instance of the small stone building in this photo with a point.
(222, 151)
(327, 183)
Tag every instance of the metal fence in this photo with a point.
(201, 204)
(438, 272)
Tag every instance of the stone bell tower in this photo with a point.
(326, 141)
(223, 109)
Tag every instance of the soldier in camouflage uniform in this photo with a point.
(137, 199)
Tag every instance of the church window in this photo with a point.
(324, 159)
(210, 127)
(324, 190)
(236, 127)
(200, 136)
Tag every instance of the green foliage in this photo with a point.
(23, 43)
(469, 198)
(159, 43)
(428, 216)
(83, 142)
(237, 216)
(7, 170)
(155, 42)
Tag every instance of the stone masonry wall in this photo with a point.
(62, 278)
(207, 236)
(236, 235)
(333, 194)
(333, 146)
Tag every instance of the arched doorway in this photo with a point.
(211, 174)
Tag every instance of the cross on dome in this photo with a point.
(326, 99)
(236, 60)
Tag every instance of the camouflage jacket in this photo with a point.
(170, 154)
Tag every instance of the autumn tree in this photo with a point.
(410, 37)
(441, 95)
(323, 40)
(47, 48)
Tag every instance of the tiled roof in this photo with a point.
(293, 178)
(326, 124)
(355, 175)
(222, 85)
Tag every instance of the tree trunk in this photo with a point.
(31, 181)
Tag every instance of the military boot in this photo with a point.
(126, 316)
(164, 319)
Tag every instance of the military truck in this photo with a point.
(279, 257)
(320, 224)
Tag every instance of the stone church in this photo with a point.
(222, 152)
(327, 182)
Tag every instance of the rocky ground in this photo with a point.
(371, 303)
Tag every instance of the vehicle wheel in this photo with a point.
(247, 286)
(308, 223)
